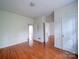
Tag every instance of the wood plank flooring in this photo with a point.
(37, 51)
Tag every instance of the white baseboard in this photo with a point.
(12, 44)
(74, 52)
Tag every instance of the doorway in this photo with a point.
(48, 34)
(30, 35)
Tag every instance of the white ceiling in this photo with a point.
(41, 8)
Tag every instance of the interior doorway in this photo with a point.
(30, 35)
(47, 32)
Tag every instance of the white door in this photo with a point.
(68, 33)
(30, 35)
(57, 33)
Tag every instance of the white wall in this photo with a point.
(66, 14)
(13, 28)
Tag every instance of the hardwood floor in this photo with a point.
(37, 51)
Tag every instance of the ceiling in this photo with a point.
(40, 8)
